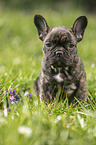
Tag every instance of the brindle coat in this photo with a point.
(62, 67)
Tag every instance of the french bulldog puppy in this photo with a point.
(62, 68)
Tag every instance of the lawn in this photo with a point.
(23, 119)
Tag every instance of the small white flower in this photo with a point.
(92, 65)
(26, 94)
(57, 119)
(25, 130)
(5, 110)
(12, 117)
(5, 74)
(81, 121)
(17, 114)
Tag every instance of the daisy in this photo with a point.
(25, 130)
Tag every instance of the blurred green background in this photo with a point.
(20, 48)
(89, 5)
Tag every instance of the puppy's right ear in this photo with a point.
(41, 26)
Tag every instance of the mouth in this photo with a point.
(59, 62)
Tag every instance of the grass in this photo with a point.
(20, 63)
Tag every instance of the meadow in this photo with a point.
(23, 119)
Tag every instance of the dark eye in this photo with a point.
(48, 44)
(71, 45)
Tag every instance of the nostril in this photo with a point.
(59, 53)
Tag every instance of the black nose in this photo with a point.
(59, 53)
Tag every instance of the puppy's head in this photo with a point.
(60, 42)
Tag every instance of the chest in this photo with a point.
(61, 75)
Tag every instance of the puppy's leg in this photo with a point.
(82, 88)
(47, 92)
(36, 86)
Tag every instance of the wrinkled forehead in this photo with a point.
(61, 34)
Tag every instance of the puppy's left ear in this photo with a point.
(79, 26)
(41, 26)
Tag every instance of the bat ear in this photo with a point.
(41, 26)
(79, 26)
